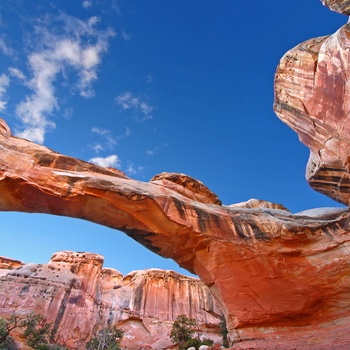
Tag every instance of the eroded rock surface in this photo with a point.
(341, 6)
(77, 295)
(274, 274)
(312, 96)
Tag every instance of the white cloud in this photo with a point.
(4, 83)
(80, 47)
(86, 4)
(15, 72)
(156, 150)
(127, 101)
(110, 161)
(131, 169)
(150, 79)
(98, 148)
(4, 48)
(126, 36)
(108, 139)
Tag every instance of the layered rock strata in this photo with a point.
(312, 96)
(275, 274)
(341, 6)
(78, 296)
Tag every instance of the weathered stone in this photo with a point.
(341, 6)
(312, 96)
(276, 275)
(7, 263)
(189, 187)
(77, 295)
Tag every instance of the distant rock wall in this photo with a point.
(77, 295)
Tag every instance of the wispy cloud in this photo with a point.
(15, 72)
(132, 169)
(108, 140)
(150, 79)
(80, 47)
(128, 101)
(86, 4)
(4, 83)
(126, 36)
(110, 161)
(5, 48)
(155, 150)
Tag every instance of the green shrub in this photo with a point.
(195, 342)
(182, 330)
(181, 333)
(36, 332)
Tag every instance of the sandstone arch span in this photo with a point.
(270, 270)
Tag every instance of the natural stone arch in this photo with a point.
(270, 270)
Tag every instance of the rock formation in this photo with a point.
(282, 279)
(143, 303)
(275, 274)
(312, 96)
(341, 6)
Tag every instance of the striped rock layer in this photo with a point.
(78, 297)
(312, 96)
(341, 6)
(280, 278)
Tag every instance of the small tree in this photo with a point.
(182, 330)
(7, 325)
(5, 330)
(37, 332)
(224, 332)
(108, 338)
(6, 342)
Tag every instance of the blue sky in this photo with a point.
(153, 86)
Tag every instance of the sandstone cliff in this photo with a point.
(77, 295)
(282, 279)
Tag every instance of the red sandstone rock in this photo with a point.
(189, 187)
(77, 295)
(9, 264)
(341, 6)
(312, 96)
(275, 274)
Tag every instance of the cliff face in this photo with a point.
(77, 295)
(312, 96)
(282, 279)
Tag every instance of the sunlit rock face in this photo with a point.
(341, 6)
(278, 276)
(312, 96)
(77, 295)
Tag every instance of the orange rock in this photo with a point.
(275, 274)
(77, 295)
